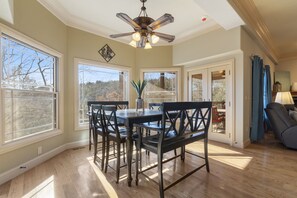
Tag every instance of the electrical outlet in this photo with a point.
(39, 150)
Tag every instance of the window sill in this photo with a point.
(7, 147)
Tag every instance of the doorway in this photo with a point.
(214, 83)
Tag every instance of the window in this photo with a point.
(29, 89)
(163, 85)
(99, 82)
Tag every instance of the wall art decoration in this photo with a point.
(106, 52)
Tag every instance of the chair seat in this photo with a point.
(122, 133)
(151, 126)
(151, 142)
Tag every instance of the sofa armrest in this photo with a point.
(289, 137)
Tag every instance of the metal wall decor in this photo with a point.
(106, 52)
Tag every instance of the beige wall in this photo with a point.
(156, 57)
(84, 45)
(209, 45)
(36, 22)
(223, 45)
(250, 47)
(211, 48)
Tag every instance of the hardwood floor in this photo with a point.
(261, 170)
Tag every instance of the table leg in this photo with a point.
(129, 154)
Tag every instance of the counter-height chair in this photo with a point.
(189, 122)
(152, 125)
(99, 130)
(91, 125)
(119, 104)
(115, 134)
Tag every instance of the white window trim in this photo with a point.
(166, 69)
(7, 147)
(78, 61)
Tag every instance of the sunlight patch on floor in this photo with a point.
(240, 162)
(227, 156)
(45, 189)
(106, 185)
(123, 177)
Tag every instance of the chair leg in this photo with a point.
(103, 152)
(118, 161)
(107, 153)
(140, 159)
(160, 173)
(113, 148)
(206, 154)
(124, 152)
(136, 166)
(182, 155)
(95, 141)
(90, 137)
(147, 133)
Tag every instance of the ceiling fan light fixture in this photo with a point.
(144, 28)
(155, 39)
(133, 43)
(136, 36)
(147, 45)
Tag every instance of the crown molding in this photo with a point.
(255, 24)
(288, 57)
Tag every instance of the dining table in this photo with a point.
(130, 117)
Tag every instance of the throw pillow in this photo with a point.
(293, 115)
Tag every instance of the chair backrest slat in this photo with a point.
(155, 106)
(110, 119)
(187, 120)
(96, 112)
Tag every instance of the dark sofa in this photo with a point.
(283, 126)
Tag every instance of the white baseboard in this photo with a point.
(14, 172)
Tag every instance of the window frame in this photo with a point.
(78, 61)
(58, 78)
(166, 69)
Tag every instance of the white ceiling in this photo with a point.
(99, 16)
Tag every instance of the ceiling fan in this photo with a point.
(144, 28)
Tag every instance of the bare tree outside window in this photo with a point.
(28, 84)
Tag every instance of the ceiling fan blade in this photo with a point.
(166, 37)
(120, 35)
(128, 20)
(163, 20)
(142, 42)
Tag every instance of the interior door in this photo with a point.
(214, 84)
